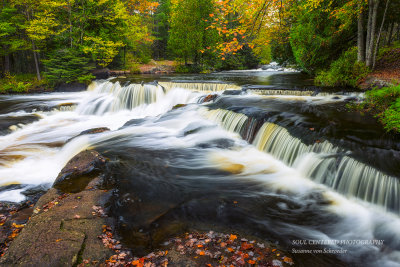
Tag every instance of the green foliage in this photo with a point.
(188, 68)
(19, 83)
(345, 71)
(282, 52)
(67, 65)
(161, 29)
(316, 37)
(189, 36)
(10, 23)
(243, 59)
(102, 51)
(384, 103)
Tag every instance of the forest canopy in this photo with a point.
(63, 40)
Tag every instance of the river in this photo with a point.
(271, 156)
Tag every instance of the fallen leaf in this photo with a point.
(232, 237)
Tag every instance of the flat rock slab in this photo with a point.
(62, 231)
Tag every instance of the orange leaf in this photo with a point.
(246, 246)
(287, 260)
(232, 237)
(251, 262)
(230, 249)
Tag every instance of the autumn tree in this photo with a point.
(190, 34)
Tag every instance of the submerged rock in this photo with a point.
(91, 131)
(209, 98)
(179, 106)
(95, 131)
(79, 171)
(133, 122)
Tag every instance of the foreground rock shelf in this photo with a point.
(69, 227)
(64, 227)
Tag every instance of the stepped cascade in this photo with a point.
(282, 165)
(323, 162)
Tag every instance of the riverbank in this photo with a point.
(386, 72)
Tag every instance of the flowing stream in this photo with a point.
(271, 156)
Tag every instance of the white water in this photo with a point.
(203, 87)
(318, 161)
(34, 154)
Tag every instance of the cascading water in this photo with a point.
(321, 161)
(203, 87)
(181, 166)
(122, 97)
(39, 146)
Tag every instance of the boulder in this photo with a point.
(79, 171)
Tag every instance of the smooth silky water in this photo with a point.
(280, 167)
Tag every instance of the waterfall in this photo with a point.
(277, 141)
(282, 92)
(322, 162)
(233, 122)
(203, 87)
(277, 92)
(112, 97)
(229, 120)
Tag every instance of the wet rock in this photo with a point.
(79, 171)
(101, 73)
(218, 143)
(179, 106)
(232, 92)
(95, 131)
(133, 122)
(118, 73)
(91, 131)
(209, 98)
(62, 231)
(70, 87)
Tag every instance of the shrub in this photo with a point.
(67, 65)
(18, 83)
(385, 105)
(345, 71)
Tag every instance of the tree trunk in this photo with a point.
(389, 34)
(372, 29)
(369, 24)
(35, 57)
(6, 60)
(379, 35)
(360, 34)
